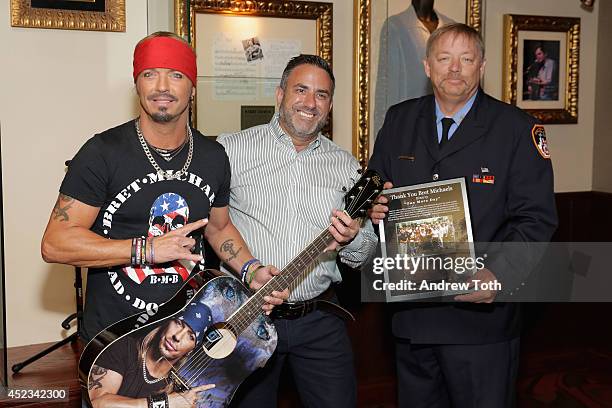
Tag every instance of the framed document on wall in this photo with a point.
(242, 49)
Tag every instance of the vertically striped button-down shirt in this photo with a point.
(281, 200)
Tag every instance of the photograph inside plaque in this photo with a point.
(428, 234)
(541, 70)
(542, 61)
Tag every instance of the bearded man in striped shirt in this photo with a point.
(287, 185)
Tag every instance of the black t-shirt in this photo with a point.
(112, 172)
(123, 357)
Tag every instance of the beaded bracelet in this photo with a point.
(143, 254)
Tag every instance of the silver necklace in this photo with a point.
(165, 173)
(168, 155)
(144, 371)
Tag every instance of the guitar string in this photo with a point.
(198, 364)
(201, 364)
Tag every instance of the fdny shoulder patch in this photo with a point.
(538, 134)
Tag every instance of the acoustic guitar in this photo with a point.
(232, 336)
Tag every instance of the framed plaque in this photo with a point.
(426, 242)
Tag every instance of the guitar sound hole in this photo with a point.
(220, 341)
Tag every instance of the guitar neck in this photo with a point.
(289, 274)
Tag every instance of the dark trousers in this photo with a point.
(471, 375)
(319, 354)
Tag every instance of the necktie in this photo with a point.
(446, 124)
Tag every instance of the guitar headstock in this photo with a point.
(360, 198)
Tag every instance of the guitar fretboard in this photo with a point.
(289, 274)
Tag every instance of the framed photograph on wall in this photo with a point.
(540, 69)
(93, 15)
(242, 52)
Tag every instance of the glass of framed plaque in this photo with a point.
(426, 242)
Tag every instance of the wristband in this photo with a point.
(158, 401)
(138, 251)
(152, 252)
(133, 254)
(143, 254)
(245, 268)
(252, 275)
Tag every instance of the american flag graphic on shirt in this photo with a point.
(168, 212)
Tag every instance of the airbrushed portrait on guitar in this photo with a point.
(140, 200)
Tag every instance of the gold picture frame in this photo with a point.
(541, 65)
(362, 38)
(91, 15)
(318, 16)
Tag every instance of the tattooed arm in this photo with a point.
(104, 384)
(68, 239)
(226, 240)
(232, 250)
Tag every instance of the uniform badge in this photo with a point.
(484, 177)
(538, 134)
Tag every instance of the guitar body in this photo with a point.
(225, 359)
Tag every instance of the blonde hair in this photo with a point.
(457, 30)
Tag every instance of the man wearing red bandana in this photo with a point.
(123, 181)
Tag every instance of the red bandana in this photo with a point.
(165, 52)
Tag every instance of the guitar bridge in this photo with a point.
(180, 385)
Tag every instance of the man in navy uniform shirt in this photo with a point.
(465, 354)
